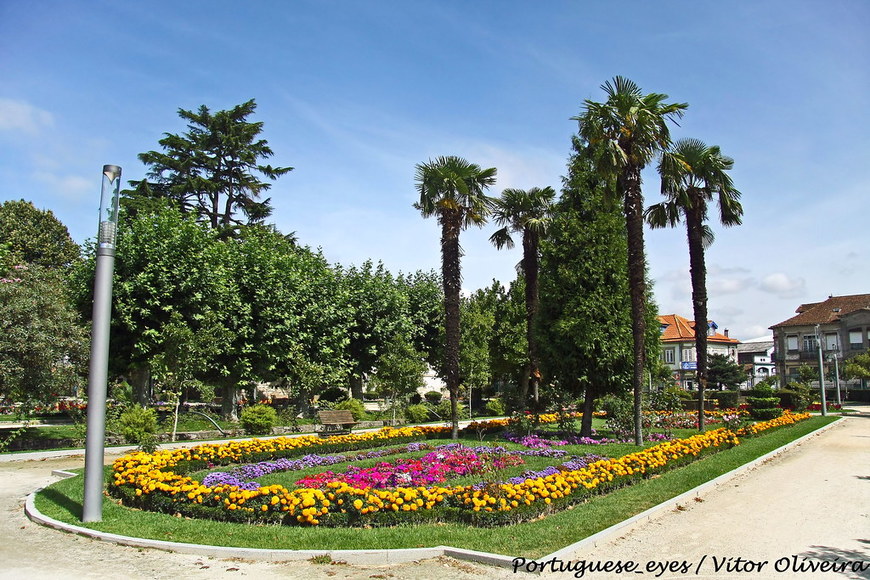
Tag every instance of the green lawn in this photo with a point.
(63, 501)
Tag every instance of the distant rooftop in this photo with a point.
(679, 329)
(831, 310)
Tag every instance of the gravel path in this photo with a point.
(811, 502)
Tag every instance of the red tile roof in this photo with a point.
(679, 329)
(831, 310)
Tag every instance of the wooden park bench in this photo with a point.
(335, 422)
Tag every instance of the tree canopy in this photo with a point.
(34, 236)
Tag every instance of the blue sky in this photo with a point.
(354, 94)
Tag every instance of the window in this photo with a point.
(810, 343)
(855, 339)
(669, 355)
(688, 354)
(791, 342)
(831, 342)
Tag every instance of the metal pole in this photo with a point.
(92, 506)
(821, 371)
(837, 376)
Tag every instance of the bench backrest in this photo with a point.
(335, 417)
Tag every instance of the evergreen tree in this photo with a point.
(210, 171)
(585, 323)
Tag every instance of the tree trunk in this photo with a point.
(633, 209)
(140, 379)
(356, 387)
(452, 281)
(530, 270)
(588, 408)
(698, 270)
(229, 403)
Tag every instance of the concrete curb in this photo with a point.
(394, 556)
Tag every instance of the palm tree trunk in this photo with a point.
(633, 209)
(698, 270)
(530, 270)
(452, 280)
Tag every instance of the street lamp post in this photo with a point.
(92, 506)
(821, 371)
(836, 356)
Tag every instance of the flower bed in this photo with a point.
(157, 482)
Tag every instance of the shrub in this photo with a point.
(433, 397)
(495, 407)
(138, 426)
(258, 419)
(727, 399)
(333, 394)
(670, 399)
(764, 408)
(443, 410)
(355, 406)
(416, 413)
(765, 414)
(797, 397)
(620, 414)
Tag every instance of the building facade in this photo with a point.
(757, 359)
(678, 347)
(840, 323)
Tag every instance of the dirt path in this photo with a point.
(811, 502)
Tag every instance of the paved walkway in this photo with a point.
(807, 505)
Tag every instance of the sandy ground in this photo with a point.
(812, 502)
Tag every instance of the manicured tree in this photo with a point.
(34, 236)
(624, 134)
(526, 212)
(211, 170)
(169, 269)
(693, 175)
(453, 190)
(378, 314)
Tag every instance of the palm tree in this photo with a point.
(453, 190)
(527, 212)
(623, 135)
(692, 174)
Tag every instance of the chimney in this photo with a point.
(726, 333)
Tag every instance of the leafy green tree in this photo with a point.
(508, 347)
(624, 134)
(211, 170)
(43, 344)
(725, 373)
(478, 320)
(399, 373)
(858, 367)
(425, 296)
(584, 323)
(527, 212)
(378, 313)
(169, 269)
(693, 175)
(453, 190)
(296, 335)
(35, 236)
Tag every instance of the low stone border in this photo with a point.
(395, 556)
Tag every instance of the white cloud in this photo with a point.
(22, 116)
(783, 286)
(71, 187)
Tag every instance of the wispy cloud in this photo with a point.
(22, 116)
(783, 286)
